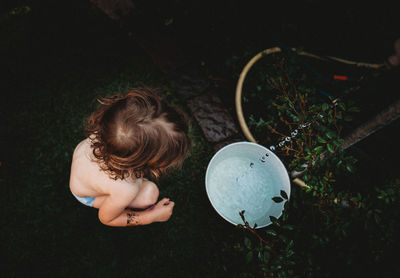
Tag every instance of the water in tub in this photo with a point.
(238, 184)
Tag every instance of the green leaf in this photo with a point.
(300, 168)
(348, 118)
(330, 148)
(288, 227)
(377, 218)
(290, 253)
(318, 149)
(267, 255)
(271, 232)
(169, 21)
(285, 208)
(260, 257)
(241, 213)
(336, 143)
(247, 243)
(274, 220)
(321, 140)
(267, 247)
(277, 199)
(249, 257)
(283, 238)
(284, 195)
(291, 263)
(330, 134)
(349, 168)
(325, 106)
(354, 109)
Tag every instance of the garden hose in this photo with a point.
(239, 87)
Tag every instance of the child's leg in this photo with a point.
(98, 201)
(147, 196)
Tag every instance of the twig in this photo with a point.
(275, 131)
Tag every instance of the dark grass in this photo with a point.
(53, 76)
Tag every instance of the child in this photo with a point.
(130, 138)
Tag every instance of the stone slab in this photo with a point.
(214, 119)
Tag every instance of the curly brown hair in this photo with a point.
(137, 134)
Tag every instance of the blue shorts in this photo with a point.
(88, 201)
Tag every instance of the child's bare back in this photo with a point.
(110, 175)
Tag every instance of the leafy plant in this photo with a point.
(273, 250)
(306, 130)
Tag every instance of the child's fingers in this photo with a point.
(165, 201)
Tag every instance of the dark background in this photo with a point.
(57, 57)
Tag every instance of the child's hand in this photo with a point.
(163, 210)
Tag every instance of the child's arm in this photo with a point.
(160, 213)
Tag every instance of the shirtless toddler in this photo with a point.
(129, 138)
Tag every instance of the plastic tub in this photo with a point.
(245, 176)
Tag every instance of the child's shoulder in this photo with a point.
(85, 169)
(82, 146)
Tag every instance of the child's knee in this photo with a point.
(150, 192)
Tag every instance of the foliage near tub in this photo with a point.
(291, 112)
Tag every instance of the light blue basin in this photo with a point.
(245, 176)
